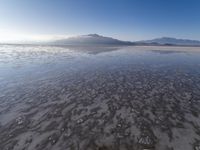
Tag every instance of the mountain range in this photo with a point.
(173, 41)
(95, 39)
(90, 39)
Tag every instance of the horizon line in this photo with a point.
(16, 38)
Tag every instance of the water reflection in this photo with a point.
(99, 97)
(167, 51)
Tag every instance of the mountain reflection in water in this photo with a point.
(95, 97)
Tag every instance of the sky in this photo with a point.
(123, 19)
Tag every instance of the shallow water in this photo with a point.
(99, 98)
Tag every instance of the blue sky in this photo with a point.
(122, 19)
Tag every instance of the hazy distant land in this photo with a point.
(95, 39)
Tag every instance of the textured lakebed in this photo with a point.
(99, 98)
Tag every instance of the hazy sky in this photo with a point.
(122, 19)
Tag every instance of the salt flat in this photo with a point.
(99, 98)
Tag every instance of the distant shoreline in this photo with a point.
(111, 45)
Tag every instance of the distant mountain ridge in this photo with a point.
(95, 39)
(89, 39)
(172, 41)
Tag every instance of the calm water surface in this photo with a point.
(99, 98)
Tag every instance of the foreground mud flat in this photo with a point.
(122, 99)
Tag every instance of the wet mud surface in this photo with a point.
(123, 99)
